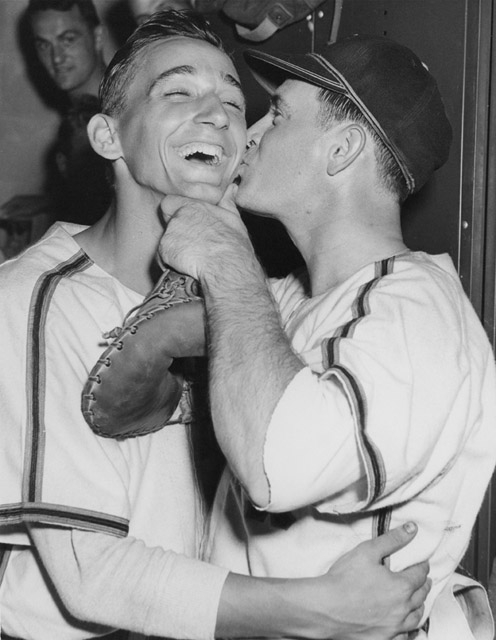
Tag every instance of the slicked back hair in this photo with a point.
(334, 107)
(127, 61)
(86, 8)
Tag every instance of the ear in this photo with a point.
(103, 136)
(98, 36)
(347, 144)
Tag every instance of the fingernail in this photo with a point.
(410, 527)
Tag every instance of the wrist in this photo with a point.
(236, 267)
(311, 605)
(276, 608)
(235, 280)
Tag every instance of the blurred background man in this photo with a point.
(68, 38)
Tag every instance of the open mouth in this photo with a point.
(203, 152)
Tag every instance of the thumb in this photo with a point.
(170, 204)
(227, 200)
(394, 540)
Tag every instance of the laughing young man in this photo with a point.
(97, 534)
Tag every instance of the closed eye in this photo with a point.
(236, 105)
(176, 92)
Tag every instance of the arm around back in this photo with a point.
(121, 583)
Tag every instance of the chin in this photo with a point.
(251, 205)
(243, 199)
(68, 88)
(207, 193)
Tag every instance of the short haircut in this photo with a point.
(126, 62)
(86, 8)
(335, 107)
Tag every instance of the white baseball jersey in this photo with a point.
(55, 304)
(393, 419)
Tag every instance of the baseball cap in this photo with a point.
(388, 83)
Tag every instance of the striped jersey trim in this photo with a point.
(32, 508)
(5, 551)
(46, 513)
(381, 523)
(376, 471)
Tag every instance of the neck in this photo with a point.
(124, 242)
(345, 239)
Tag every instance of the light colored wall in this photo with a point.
(27, 124)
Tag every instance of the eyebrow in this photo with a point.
(59, 35)
(187, 69)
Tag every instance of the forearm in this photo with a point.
(274, 608)
(251, 360)
(121, 583)
(251, 364)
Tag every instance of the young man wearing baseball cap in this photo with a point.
(361, 391)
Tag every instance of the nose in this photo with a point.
(58, 53)
(212, 112)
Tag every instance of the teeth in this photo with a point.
(213, 151)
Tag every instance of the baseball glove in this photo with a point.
(131, 390)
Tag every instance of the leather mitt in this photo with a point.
(131, 390)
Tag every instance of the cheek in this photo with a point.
(241, 138)
(84, 54)
(45, 59)
(138, 149)
(270, 178)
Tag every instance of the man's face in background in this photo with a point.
(68, 48)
